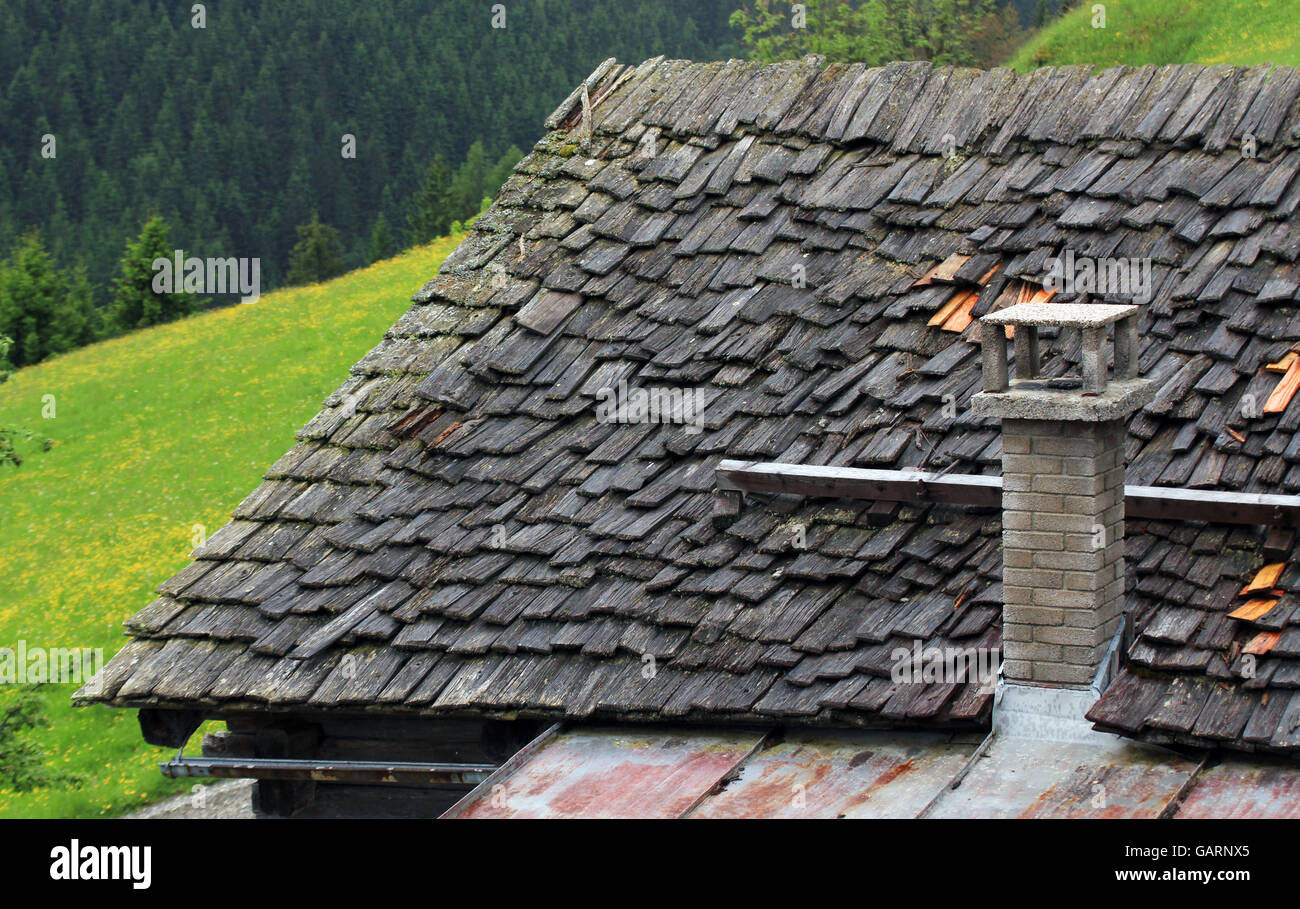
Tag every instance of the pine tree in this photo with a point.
(9, 435)
(431, 216)
(318, 254)
(872, 32)
(32, 299)
(83, 321)
(1040, 15)
(467, 188)
(381, 242)
(135, 303)
(501, 171)
(282, 94)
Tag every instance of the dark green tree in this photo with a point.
(1040, 15)
(431, 215)
(39, 311)
(381, 242)
(867, 31)
(83, 322)
(500, 172)
(318, 254)
(8, 454)
(22, 760)
(141, 296)
(467, 187)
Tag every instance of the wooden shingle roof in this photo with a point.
(809, 244)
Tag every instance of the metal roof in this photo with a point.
(759, 773)
(627, 772)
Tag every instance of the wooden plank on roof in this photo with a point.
(1161, 503)
(1253, 609)
(1285, 390)
(947, 309)
(545, 311)
(961, 316)
(944, 271)
(1170, 504)
(569, 104)
(1285, 363)
(1262, 643)
(859, 483)
(1265, 579)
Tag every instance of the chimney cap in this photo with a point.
(1063, 315)
(1092, 397)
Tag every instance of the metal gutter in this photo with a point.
(404, 773)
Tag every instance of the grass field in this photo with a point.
(155, 433)
(1138, 32)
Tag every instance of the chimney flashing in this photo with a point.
(1029, 711)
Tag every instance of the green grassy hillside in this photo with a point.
(155, 433)
(1137, 32)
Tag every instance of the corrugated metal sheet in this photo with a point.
(672, 772)
(834, 775)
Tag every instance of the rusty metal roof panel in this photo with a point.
(1024, 777)
(1240, 789)
(841, 775)
(611, 773)
(670, 772)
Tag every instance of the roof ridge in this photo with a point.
(915, 105)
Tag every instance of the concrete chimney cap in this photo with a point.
(1093, 397)
(1063, 315)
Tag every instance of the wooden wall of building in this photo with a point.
(335, 737)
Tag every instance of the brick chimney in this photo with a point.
(1062, 491)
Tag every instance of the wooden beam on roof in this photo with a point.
(859, 483)
(1162, 503)
(1169, 504)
